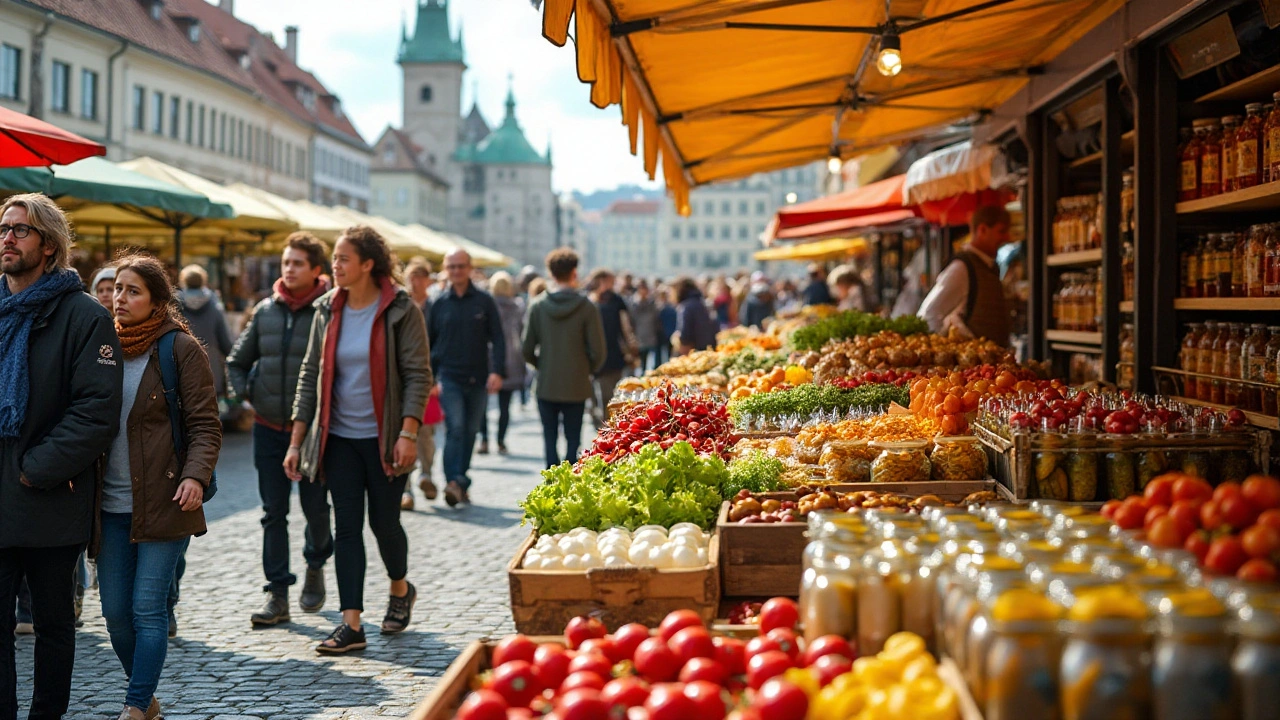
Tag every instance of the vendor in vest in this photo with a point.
(968, 295)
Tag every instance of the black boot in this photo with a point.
(312, 598)
(275, 611)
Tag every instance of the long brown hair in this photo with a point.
(154, 275)
(370, 245)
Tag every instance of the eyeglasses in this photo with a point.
(456, 267)
(19, 231)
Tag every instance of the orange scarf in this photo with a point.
(135, 339)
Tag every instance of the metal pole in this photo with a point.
(106, 239)
(177, 246)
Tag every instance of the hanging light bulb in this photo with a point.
(889, 62)
(791, 198)
(834, 163)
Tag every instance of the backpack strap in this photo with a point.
(967, 259)
(169, 380)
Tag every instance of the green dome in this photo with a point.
(505, 146)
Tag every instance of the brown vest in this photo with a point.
(987, 313)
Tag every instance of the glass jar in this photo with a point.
(1230, 125)
(1232, 352)
(1272, 129)
(828, 587)
(846, 461)
(958, 458)
(1265, 170)
(1209, 265)
(1189, 187)
(1255, 262)
(1218, 363)
(1239, 241)
(1022, 665)
(1271, 372)
(1253, 365)
(1256, 662)
(1189, 359)
(1272, 263)
(1192, 659)
(1205, 361)
(922, 560)
(1249, 147)
(1105, 671)
(1126, 271)
(977, 633)
(904, 461)
(1211, 160)
(1125, 369)
(879, 593)
(1222, 260)
(1190, 263)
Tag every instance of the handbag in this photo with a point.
(169, 383)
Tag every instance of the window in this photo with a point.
(300, 163)
(709, 208)
(389, 155)
(190, 120)
(222, 133)
(424, 94)
(402, 197)
(675, 259)
(743, 207)
(10, 72)
(88, 95)
(693, 260)
(760, 207)
(726, 232)
(675, 232)
(193, 31)
(175, 116)
(157, 112)
(379, 197)
(139, 107)
(743, 232)
(743, 260)
(708, 232)
(60, 87)
(726, 208)
(200, 137)
(157, 9)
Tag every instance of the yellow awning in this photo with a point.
(815, 251)
(405, 241)
(251, 214)
(321, 224)
(726, 89)
(481, 256)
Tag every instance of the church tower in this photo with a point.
(432, 63)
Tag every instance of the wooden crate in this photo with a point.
(543, 601)
(762, 560)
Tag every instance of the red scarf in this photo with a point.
(297, 303)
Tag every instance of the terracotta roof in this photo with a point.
(632, 207)
(408, 155)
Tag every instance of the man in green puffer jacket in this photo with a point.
(564, 340)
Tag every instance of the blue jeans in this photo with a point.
(133, 580)
(464, 405)
(552, 414)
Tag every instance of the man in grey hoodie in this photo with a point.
(208, 323)
(563, 339)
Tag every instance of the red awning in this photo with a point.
(878, 198)
(28, 142)
(834, 227)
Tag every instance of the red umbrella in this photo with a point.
(28, 142)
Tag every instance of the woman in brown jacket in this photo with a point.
(151, 498)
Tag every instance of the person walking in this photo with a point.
(104, 286)
(263, 368)
(367, 342)
(207, 320)
(758, 304)
(60, 381)
(564, 340)
(468, 356)
(695, 328)
(617, 323)
(511, 312)
(153, 491)
(667, 316)
(817, 292)
(644, 311)
(418, 275)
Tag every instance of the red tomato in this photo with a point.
(701, 668)
(1186, 515)
(520, 714)
(582, 629)
(781, 700)
(677, 621)
(1191, 488)
(1270, 518)
(1159, 491)
(732, 654)
(1257, 570)
(1197, 543)
(709, 699)
(582, 704)
(1211, 517)
(591, 662)
(1237, 511)
(655, 661)
(1164, 533)
(602, 646)
(830, 667)
(787, 641)
(628, 637)
(1260, 541)
(747, 713)
(551, 660)
(761, 644)
(517, 682)
(767, 665)
(692, 642)
(1226, 555)
(779, 612)
(1226, 490)
(1130, 514)
(1155, 512)
(582, 679)
(514, 647)
(483, 705)
(1262, 492)
(827, 645)
(1109, 509)
(667, 701)
(625, 692)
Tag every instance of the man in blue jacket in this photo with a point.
(468, 359)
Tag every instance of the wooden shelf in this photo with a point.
(1079, 257)
(1258, 197)
(1257, 87)
(1086, 160)
(1259, 420)
(1126, 306)
(1074, 336)
(1068, 347)
(1127, 140)
(1267, 304)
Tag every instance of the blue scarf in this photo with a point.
(17, 316)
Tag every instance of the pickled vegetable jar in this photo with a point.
(958, 458)
(1106, 664)
(1022, 658)
(1193, 661)
(879, 593)
(847, 461)
(1256, 662)
(828, 587)
(904, 461)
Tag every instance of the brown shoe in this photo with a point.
(153, 712)
(406, 501)
(428, 488)
(452, 493)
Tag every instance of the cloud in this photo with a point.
(353, 53)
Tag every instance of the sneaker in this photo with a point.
(274, 611)
(173, 624)
(406, 501)
(399, 612)
(312, 598)
(343, 639)
(453, 494)
(483, 449)
(428, 488)
(24, 628)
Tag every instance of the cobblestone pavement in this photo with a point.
(220, 668)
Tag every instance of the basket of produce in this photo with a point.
(788, 409)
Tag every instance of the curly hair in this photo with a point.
(155, 276)
(370, 245)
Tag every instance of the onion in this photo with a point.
(684, 526)
(683, 541)
(615, 561)
(660, 557)
(639, 553)
(573, 562)
(531, 559)
(549, 563)
(684, 556)
(573, 546)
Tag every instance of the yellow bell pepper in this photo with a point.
(803, 678)
(838, 703)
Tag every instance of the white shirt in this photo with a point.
(943, 308)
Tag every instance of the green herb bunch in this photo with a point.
(745, 361)
(757, 471)
(852, 323)
(805, 400)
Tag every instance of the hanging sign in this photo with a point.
(1209, 45)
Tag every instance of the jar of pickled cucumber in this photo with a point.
(1106, 665)
(1192, 660)
(1022, 659)
(1256, 662)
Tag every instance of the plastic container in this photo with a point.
(904, 461)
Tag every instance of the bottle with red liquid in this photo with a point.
(1211, 160)
(1272, 263)
(1189, 187)
(1272, 129)
(1249, 147)
(1255, 262)
(1230, 125)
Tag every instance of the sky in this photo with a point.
(351, 47)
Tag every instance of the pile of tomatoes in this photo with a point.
(677, 671)
(875, 377)
(1233, 529)
(668, 418)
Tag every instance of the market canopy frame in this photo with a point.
(724, 90)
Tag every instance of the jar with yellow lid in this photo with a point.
(992, 570)
(958, 458)
(1064, 580)
(824, 522)
(1024, 525)
(902, 461)
(1022, 658)
(900, 527)
(1052, 508)
(952, 584)
(1031, 551)
(1256, 662)
(935, 515)
(1086, 549)
(828, 586)
(922, 560)
(1079, 527)
(879, 593)
(1154, 577)
(1192, 660)
(1106, 666)
(977, 633)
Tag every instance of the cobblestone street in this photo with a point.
(220, 667)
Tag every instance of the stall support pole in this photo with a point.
(106, 241)
(1112, 279)
(177, 246)
(1037, 222)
